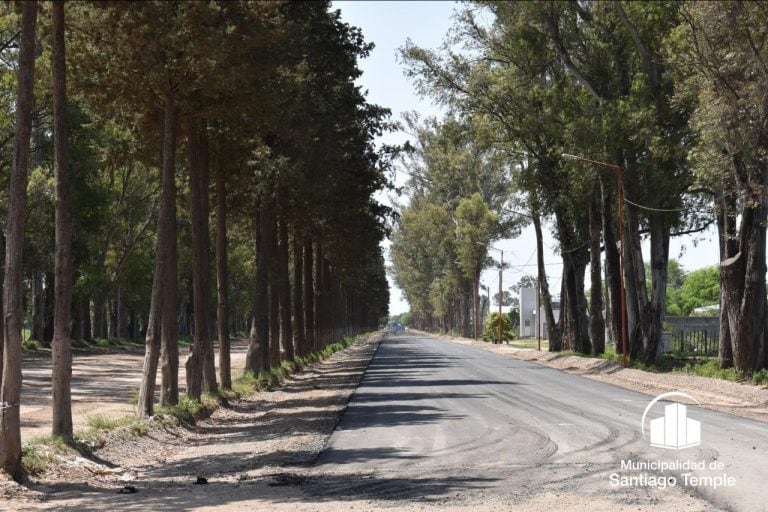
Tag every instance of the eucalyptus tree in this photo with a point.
(514, 87)
(475, 225)
(569, 78)
(721, 50)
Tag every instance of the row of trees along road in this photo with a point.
(676, 93)
(131, 126)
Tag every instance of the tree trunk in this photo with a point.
(2, 312)
(62, 355)
(201, 375)
(48, 309)
(209, 361)
(10, 390)
(635, 289)
(573, 303)
(284, 287)
(99, 316)
(553, 329)
(258, 357)
(298, 296)
(222, 280)
(320, 304)
(476, 304)
(597, 324)
(38, 307)
(655, 307)
(728, 245)
(309, 296)
(743, 285)
(612, 268)
(275, 356)
(154, 328)
(120, 323)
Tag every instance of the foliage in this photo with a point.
(40, 453)
(700, 288)
(491, 331)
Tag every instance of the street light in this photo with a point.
(620, 204)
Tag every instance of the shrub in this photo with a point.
(30, 345)
(491, 332)
(40, 453)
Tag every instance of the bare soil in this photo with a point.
(256, 446)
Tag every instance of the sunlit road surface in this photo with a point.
(431, 417)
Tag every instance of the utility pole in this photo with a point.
(501, 267)
(501, 319)
(538, 312)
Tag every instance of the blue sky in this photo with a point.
(388, 24)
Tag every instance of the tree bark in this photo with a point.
(284, 288)
(656, 305)
(553, 329)
(744, 287)
(597, 324)
(62, 355)
(476, 304)
(274, 297)
(99, 316)
(2, 309)
(120, 323)
(298, 296)
(10, 390)
(201, 373)
(612, 268)
(258, 357)
(38, 307)
(222, 280)
(320, 304)
(169, 339)
(309, 296)
(154, 322)
(728, 245)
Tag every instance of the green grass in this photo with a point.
(529, 343)
(40, 453)
(249, 383)
(30, 345)
(676, 362)
(709, 367)
(189, 410)
(99, 424)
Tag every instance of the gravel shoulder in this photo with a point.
(251, 453)
(745, 400)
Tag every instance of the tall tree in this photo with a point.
(10, 388)
(722, 50)
(62, 330)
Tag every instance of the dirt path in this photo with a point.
(101, 384)
(252, 453)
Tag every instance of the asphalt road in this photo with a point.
(432, 410)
